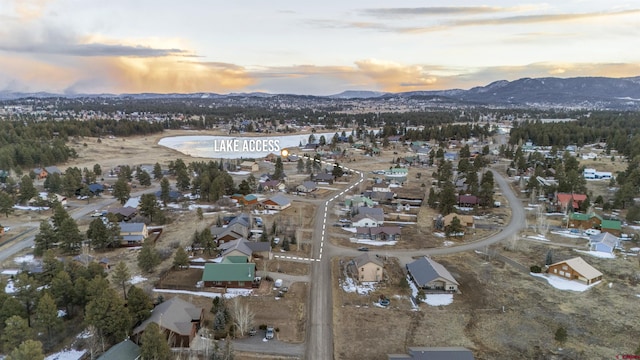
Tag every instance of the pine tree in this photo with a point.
(121, 191)
(69, 236)
(26, 292)
(62, 290)
(27, 190)
(164, 191)
(300, 166)
(139, 304)
(181, 259)
(16, 330)
(154, 344)
(6, 204)
(108, 314)
(157, 171)
(278, 173)
(46, 316)
(148, 257)
(45, 239)
(27, 350)
(149, 206)
(98, 234)
(121, 276)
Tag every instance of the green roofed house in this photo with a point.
(613, 227)
(126, 350)
(231, 272)
(584, 221)
(359, 201)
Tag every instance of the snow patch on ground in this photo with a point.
(231, 293)
(439, 234)
(9, 289)
(31, 208)
(68, 354)
(569, 234)
(265, 212)
(62, 313)
(635, 249)
(239, 172)
(137, 279)
(431, 299)
(24, 259)
(538, 237)
(373, 242)
(564, 284)
(598, 254)
(350, 286)
(448, 243)
(10, 272)
(85, 334)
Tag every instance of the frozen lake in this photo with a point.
(214, 147)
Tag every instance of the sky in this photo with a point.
(304, 47)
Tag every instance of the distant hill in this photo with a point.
(579, 92)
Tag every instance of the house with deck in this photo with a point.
(231, 272)
(178, 320)
(307, 187)
(379, 233)
(133, 234)
(249, 166)
(277, 202)
(604, 242)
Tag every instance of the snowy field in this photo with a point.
(372, 242)
(68, 354)
(431, 299)
(239, 173)
(137, 280)
(598, 254)
(537, 237)
(564, 284)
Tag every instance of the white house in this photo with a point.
(365, 221)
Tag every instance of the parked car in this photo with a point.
(591, 232)
(363, 248)
(270, 333)
(278, 283)
(252, 332)
(276, 240)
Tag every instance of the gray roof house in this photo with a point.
(604, 242)
(177, 318)
(434, 353)
(244, 247)
(374, 213)
(307, 186)
(430, 275)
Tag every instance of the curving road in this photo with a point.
(320, 302)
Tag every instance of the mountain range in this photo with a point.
(579, 92)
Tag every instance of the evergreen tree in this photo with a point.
(121, 190)
(53, 183)
(108, 314)
(300, 166)
(26, 292)
(69, 236)
(164, 191)
(27, 190)
(154, 344)
(454, 228)
(144, 178)
(278, 173)
(337, 171)
(99, 234)
(45, 239)
(27, 350)
(181, 259)
(149, 206)
(62, 290)
(148, 257)
(486, 189)
(432, 199)
(121, 276)
(447, 199)
(46, 316)
(139, 304)
(16, 331)
(97, 169)
(6, 204)
(183, 180)
(157, 171)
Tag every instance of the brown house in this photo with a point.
(584, 221)
(368, 268)
(575, 269)
(179, 320)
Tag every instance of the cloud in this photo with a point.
(518, 20)
(29, 9)
(91, 50)
(433, 10)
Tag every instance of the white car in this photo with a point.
(592, 232)
(6, 229)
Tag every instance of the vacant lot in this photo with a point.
(533, 310)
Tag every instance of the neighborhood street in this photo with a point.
(320, 303)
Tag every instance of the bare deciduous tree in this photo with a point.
(242, 316)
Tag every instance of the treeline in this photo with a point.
(28, 144)
(618, 130)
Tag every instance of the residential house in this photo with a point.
(277, 202)
(249, 166)
(359, 201)
(231, 232)
(566, 202)
(307, 187)
(575, 269)
(584, 221)
(125, 350)
(381, 188)
(179, 320)
(367, 268)
(246, 200)
(613, 227)
(368, 217)
(440, 222)
(133, 234)
(243, 247)
(96, 189)
(273, 185)
(324, 178)
(604, 242)
(430, 275)
(434, 353)
(380, 197)
(468, 200)
(124, 213)
(450, 156)
(231, 272)
(42, 173)
(174, 195)
(380, 233)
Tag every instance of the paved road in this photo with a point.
(15, 247)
